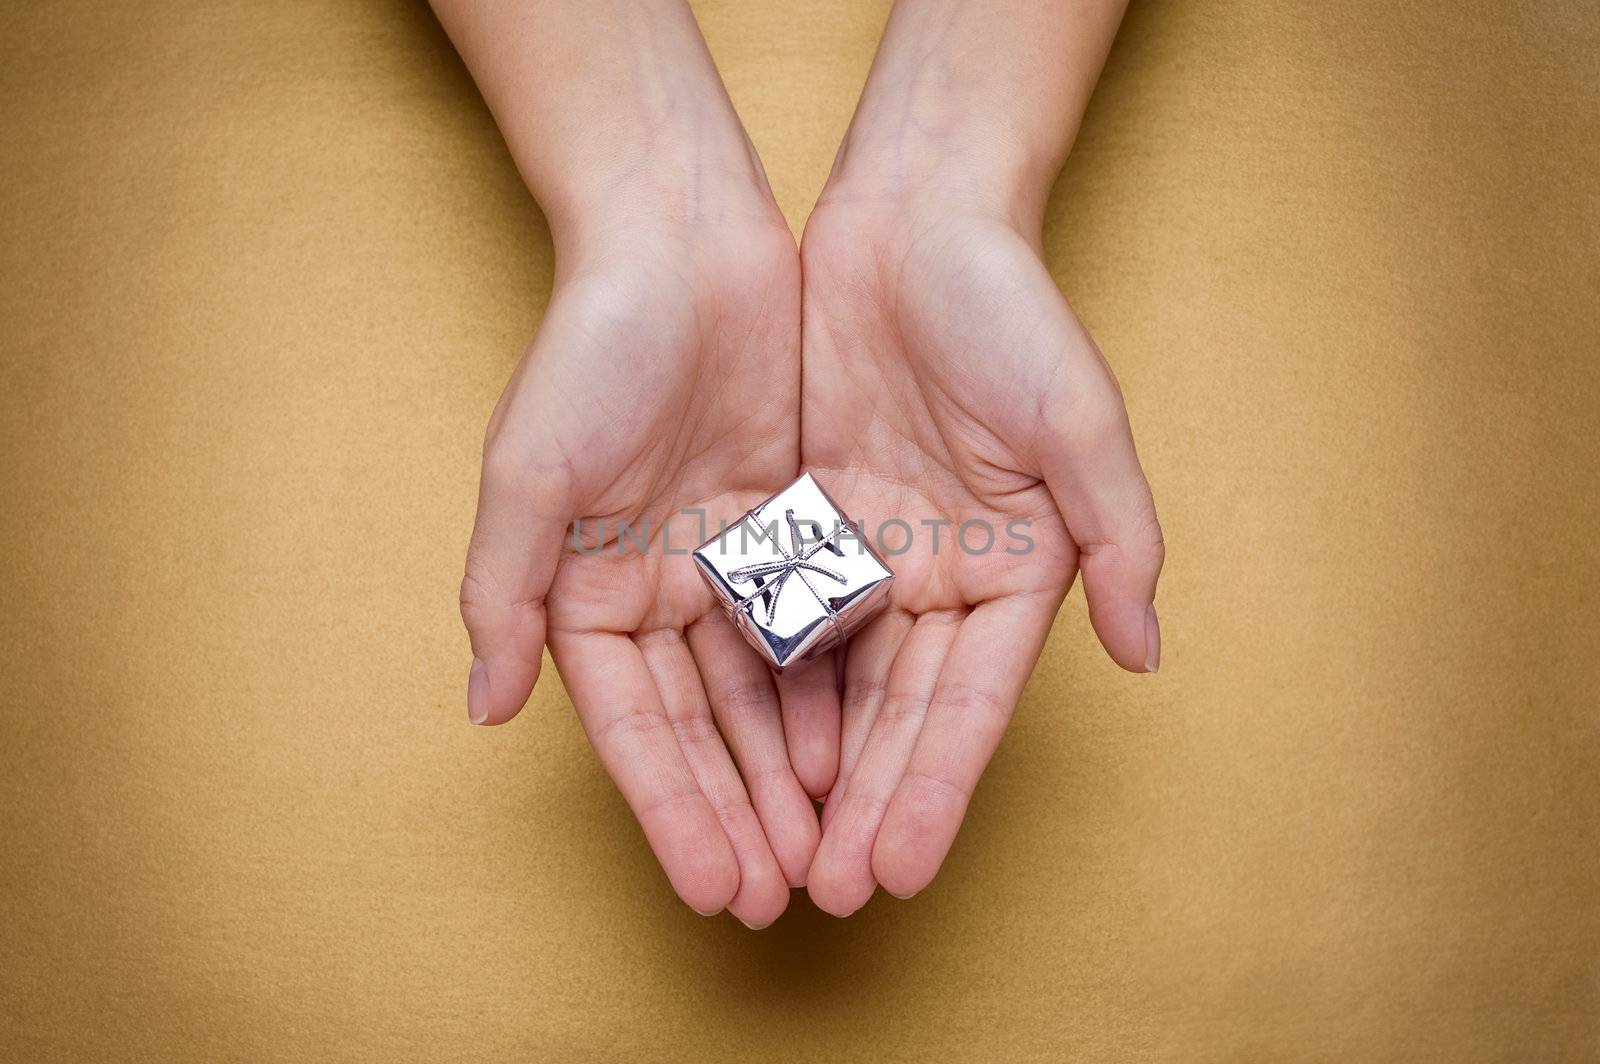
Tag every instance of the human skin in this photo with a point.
(664, 378)
(946, 379)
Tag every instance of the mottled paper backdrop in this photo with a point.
(263, 270)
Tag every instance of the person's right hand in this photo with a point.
(663, 379)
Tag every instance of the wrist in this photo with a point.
(666, 184)
(937, 167)
(727, 230)
(975, 105)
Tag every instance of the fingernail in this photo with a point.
(902, 897)
(706, 912)
(1152, 640)
(478, 693)
(753, 927)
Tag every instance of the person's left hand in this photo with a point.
(946, 383)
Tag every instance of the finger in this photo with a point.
(809, 697)
(1093, 473)
(841, 877)
(622, 712)
(516, 543)
(763, 892)
(745, 704)
(866, 676)
(983, 676)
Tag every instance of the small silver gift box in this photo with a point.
(795, 575)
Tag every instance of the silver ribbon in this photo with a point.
(794, 562)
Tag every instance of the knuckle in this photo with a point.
(975, 702)
(1148, 542)
(486, 597)
(667, 802)
(936, 787)
(769, 776)
(751, 696)
(904, 710)
(864, 691)
(695, 730)
(732, 807)
(632, 723)
(1157, 545)
(1096, 420)
(475, 596)
(504, 464)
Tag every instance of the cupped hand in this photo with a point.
(663, 382)
(947, 384)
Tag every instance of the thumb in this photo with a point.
(1093, 473)
(516, 543)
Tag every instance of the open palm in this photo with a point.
(948, 385)
(663, 381)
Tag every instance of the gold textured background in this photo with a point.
(263, 270)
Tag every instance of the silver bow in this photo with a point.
(793, 563)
